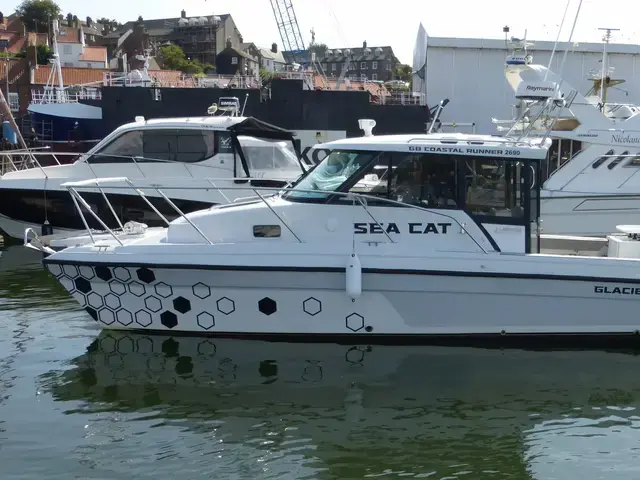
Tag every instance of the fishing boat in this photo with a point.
(400, 236)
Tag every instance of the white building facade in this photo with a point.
(470, 73)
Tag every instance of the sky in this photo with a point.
(347, 23)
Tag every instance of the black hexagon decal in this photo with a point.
(112, 301)
(93, 312)
(87, 272)
(312, 306)
(267, 306)
(137, 289)
(106, 316)
(82, 285)
(122, 274)
(181, 305)
(153, 303)
(355, 322)
(201, 290)
(168, 319)
(164, 290)
(117, 287)
(226, 305)
(70, 271)
(206, 320)
(145, 275)
(103, 273)
(143, 318)
(124, 317)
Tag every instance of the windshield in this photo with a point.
(264, 154)
(330, 174)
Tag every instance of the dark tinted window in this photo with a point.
(177, 145)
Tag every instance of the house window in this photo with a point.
(374, 76)
(374, 65)
(352, 77)
(14, 102)
(333, 67)
(66, 49)
(234, 60)
(389, 66)
(363, 78)
(363, 65)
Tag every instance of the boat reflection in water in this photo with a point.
(371, 409)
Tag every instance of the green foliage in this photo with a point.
(43, 54)
(36, 14)
(4, 54)
(173, 58)
(319, 48)
(208, 68)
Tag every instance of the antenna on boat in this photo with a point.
(443, 103)
(555, 45)
(605, 68)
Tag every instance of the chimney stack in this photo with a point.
(89, 21)
(183, 14)
(229, 44)
(1, 18)
(274, 47)
(364, 44)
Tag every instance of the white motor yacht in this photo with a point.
(189, 157)
(444, 244)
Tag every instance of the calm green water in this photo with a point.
(78, 403)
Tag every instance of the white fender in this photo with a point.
(353, 277)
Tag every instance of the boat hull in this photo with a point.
(55, 122)
(286, 302)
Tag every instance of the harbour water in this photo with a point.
(76, 402)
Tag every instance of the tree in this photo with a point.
(403, 72)
(172, 57)
(43, 54)
(319, 49)
(36, 14)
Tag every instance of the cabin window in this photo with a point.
(603, 159)
(175, 145)
(619, 159)
(120, 150)
(268, 155)
(492, 186)
(266, 231)
(330, 174)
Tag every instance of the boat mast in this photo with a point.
(605, 68)
(56, 62)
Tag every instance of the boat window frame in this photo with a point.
(95, 158)
(529, 166)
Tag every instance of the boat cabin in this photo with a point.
(486, 181)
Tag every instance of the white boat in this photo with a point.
(595, 156)
(180, 154)
(443, 246)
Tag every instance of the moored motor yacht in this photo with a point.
(179, 154)
(443, 244)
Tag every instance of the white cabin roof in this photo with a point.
(208, 122)
(445, 143)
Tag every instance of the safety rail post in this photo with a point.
(89, 209)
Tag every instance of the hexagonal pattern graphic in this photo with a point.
(103, 273)
(93, 312)
(122, 274)
(54, 269)
(106, 316)
(152, 303)
(164, 290)
(312, 306)
(267, 306)
(86, 272)
(124, 317)
(181, 305)
(70, 270)
(226, 305)
(111, 301)
(68, 284)
(145, 275)
(206, 320)
(82, 285)
(355, 322)
(95, 300)
(117, 287)
(143, 318)
(137, 289)
(168, 319)
(201, 290)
